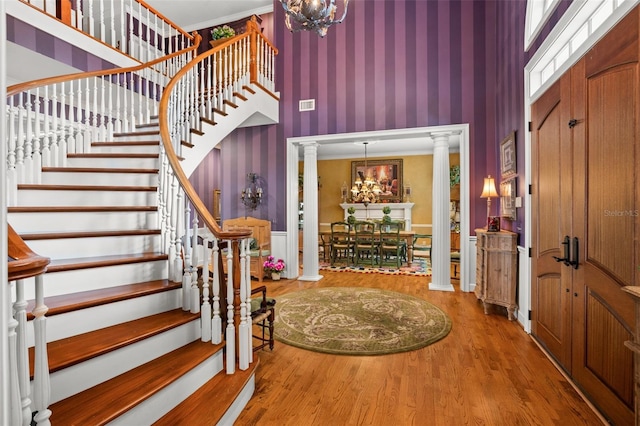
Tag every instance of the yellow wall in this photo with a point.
(417, 172)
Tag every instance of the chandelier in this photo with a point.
(312, 15)
(252, 195)
(365, 189)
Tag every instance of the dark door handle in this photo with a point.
(565, 259)
(575, 253)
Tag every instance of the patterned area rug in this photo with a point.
(358, 321)
(419, 267)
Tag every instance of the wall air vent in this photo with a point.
(307, 105)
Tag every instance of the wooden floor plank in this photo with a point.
(487, 371)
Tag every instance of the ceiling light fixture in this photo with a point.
(365, 188)
(312, 15)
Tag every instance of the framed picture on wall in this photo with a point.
(508, 199)
(386, 173)
(217, 206)
(508, 156)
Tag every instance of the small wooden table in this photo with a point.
(406, 235)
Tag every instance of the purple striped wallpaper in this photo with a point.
(510, 86)
(42, 42)
(391, 64)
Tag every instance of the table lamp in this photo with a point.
(488, 191)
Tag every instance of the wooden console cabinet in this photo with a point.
(496, 269)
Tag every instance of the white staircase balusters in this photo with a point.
(46, 131)
(187, 251)
(20, 141)
(56, 128)
(37, 155)
(205, 310)
(112, 33)
(41, 378)
(244, 329)
(194, 289)
(216, 320)
(22, 354)
(90, 26)
(101, 24)
(231, 329)
(12, 178)
(15, 404)
(28, 144)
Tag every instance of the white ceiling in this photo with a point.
(197, 14)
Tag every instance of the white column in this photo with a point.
(310, 266)
(441, 243)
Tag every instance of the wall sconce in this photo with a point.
(252, 195)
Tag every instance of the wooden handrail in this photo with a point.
(21, 87)
(169, 21)
(190, 192)
(23, 262)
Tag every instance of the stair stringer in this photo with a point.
(260, 107)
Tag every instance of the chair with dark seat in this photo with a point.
(393, 249)
(263, 310)
(365, 246)
(341, 242)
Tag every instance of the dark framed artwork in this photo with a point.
(508, 199)
(386, 173)
(508, 156)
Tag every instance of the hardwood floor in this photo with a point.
(487, 371)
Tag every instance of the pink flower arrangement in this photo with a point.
(271, 265)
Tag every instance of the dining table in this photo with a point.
(325, 237)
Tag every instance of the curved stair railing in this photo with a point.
(46, 119)
(132, 27)
(204, 87)
(24, 263)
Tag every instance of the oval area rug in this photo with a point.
(358, 321)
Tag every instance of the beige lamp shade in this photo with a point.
(489, 188)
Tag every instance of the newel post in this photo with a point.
(252, 27)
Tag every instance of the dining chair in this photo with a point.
(422, 245)
(365, 243)
(393, 249)
(341, 243)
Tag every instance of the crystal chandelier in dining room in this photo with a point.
(312, 15)
(365, 189)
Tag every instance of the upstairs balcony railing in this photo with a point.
(131, 26)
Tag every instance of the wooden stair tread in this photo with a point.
(240, 96)
(231, 104)
(106, 401)
(208, 121)
(113, 155)
(138, 133)
(60, 265)
(198, 408)
(219, 111)
(88, 299)
(127, 143)
(77, 209)
(196, 132)
(98, 170)
(249, 89)
(38, 186)
(82, 347)
(29, 236)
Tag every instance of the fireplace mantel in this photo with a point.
(399, 211)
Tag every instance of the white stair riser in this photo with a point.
(159, 404)
(133, 137)
(39, 197)
(69, 248)
(127, 149)
(82, 321)
(80, 377)
(82, 221)
(98, 178)
(116, 162)
(67, 282)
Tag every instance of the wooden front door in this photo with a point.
(586, 187)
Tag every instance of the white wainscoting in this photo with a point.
(399, 211)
